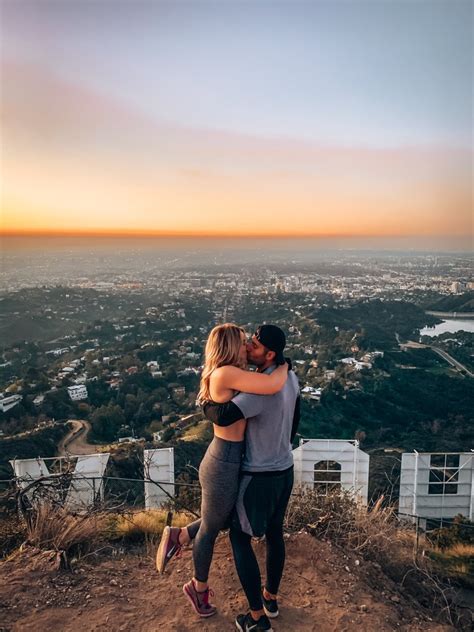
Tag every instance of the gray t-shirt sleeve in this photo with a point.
(250, 405)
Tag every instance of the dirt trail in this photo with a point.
(323, 590)
(75, 442)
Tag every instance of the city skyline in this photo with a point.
(309, 119)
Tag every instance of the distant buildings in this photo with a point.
(38, 400)
(58, 352)
(311, 393)
(77, 392)
(178, 391)
(357, 364)
(154, 368)
(6, 403)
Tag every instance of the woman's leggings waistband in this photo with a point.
(224, 450)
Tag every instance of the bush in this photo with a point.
(460, 532)
(457, 561)
(340, 519)
(376, 535)
(55, 528)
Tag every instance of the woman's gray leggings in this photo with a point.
(219, 478)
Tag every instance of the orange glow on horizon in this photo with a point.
(207, 234)
(140, 178)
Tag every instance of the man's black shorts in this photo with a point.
(262, 501)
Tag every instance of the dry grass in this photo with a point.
(376, 535)
(337, 517)
(460, 550)
(142, 526)
(457, 561)
(55, 528)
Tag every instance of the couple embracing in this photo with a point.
(246, 474)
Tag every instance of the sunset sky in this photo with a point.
(262, 118)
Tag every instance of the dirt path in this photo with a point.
(75, 442)
(323, 590)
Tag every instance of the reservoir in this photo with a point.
(451, 326)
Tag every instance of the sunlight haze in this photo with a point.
(318, 118)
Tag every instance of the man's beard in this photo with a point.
(254, 362)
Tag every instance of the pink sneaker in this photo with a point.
(200, 600)
(169, 547)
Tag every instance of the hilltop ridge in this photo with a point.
(323, 589)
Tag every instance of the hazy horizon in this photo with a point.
(398, 244)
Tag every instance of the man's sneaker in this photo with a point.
(270, 606)
(200, 600)
(169, 547)
(245, 623)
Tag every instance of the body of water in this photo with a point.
(451, 326)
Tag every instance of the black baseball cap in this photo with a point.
(273, 338)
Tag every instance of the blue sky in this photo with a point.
(378, 72)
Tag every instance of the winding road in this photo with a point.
(75, 442)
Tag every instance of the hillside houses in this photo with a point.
(77, 392)
(357, 365)
(7, 402)
(311, 393)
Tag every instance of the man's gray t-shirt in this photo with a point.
(270, 420)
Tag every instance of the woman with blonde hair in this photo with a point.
(224, 374)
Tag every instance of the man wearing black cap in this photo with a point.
(266, 478)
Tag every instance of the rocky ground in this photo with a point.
(323, 590)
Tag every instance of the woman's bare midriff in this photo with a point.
(234, 432)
